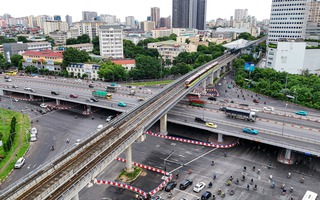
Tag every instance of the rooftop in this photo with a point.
(124, 62)
(47, 53)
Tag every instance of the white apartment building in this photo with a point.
(73, 32)
(88, 27)
(147, 26)
(130, 21)
(161, 32)
(111, 41)
(240, 14)
(39, 46)
(60, 38)
(78, 69)
(184, 31)
(52, 26)
(288, 19)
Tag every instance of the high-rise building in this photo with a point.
(89, 15)
(69, 20)
(111, 41)
(189, 13)
(240, 14)
(41, 19)
(109, 19)
(51, 26)
(155, 16)
(57, 18)
(287, 20)
(32, 21)
(165, 22)
(90, 28)
(130, 22)
(147, 26)
(313, 23)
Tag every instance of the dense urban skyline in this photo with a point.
(138, 8)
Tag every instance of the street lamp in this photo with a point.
(285, 115)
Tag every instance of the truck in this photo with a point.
(240, 114)
(101, 93)
(197, 102)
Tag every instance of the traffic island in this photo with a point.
(126, 176)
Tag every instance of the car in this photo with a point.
(199, 120)
(55, 93)
(199, 187)
(206, 195)
(33, 138)
(243, 104)
(222, 108)
(34, 131)
(170, 186)
(15, 100)
(250, 131)
(184, 184)
(219, 84)
(32, 90)
(211, 125)
(15, 86)
(42, 111)
(20, 162)
(268, 108)
(8, 80)
(156, 198)
(212, 99)
(43, 105)
(121, 104)
(301, 112)
(78, 80)
(99, 127)
(27, 88)
(91, 86)
(256, 101)
(109, 118)
(94, 99)
(229, 86)
(73, 96)
(90, 100)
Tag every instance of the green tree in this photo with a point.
(246, 36)
(51, 40)
(148, 66)
(72, 55)
(22, 39)
(71, 41)
(15, 59)
(96, 45)
(110, 71)
(84, 38)
(173, 36)
(4, 39)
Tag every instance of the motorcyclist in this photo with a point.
(255, 187)
(214, 177)
(272, 184)
(210, 184)
(231, 178)
(283, 185)
(212, 162)
(291, 189)
(251, 182)
(259, 171)
(52, 148)
(243, 177)
(225, 154)
(244, 168)
(254, 168)
(270, 176)
(248, 187)
(219, 191)
(302, 179)
(289, 174)
(237, 181)
(68, 140)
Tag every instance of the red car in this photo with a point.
(73, 96)
(256, 101)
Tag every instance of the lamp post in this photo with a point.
(285, 114)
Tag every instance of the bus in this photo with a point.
(10, 73)
(192, 95)
(310, 196)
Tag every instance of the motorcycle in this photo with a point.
(291, 189)
(272, 185)
(210, 185)
(237, 181)
(289, 175)
(52, 148)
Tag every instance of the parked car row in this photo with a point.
(185, 184)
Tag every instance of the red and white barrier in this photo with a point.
(192, 141)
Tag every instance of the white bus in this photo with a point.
(310, 196)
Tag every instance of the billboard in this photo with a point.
(248, 66)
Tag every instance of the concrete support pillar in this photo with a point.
(224, 69)
(163, 125)
(220, 137)
(288, 154)
(211, 78)
(88, 108)
(218, 73)
(76, 197)
(57, 102)
(204, 83)
(31, 96)
(129, 159)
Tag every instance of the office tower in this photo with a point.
(147, 26)
(155, 16)
(89, 15)
(313, 22)
(240, 14)
(165, 22)
(111, 41)
(69, 20)
(57, 18)
(130, 22)
(189, 14)
(287, 20)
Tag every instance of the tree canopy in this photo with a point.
(84, 38)
(246, 36)
(110, 71)
(4, 39)
(15, 59)
(72, 55)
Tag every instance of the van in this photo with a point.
(99, 127)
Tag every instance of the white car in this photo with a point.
(20, 162)
(33, 138)
(15, 100)
(27, 88)
(268, 108)
(99, 127)
(109, 118)
(78, 80)
(43, 105)
(34, 131)
(199, 187)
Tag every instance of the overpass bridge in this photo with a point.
(67, 174)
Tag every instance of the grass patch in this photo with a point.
(23, 123)
(151, 83)
(128, 177)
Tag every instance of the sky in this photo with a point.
(140, 9)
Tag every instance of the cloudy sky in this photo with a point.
(122, 8)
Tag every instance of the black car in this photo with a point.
(199, 120)
(206, 195)
(170, 186)
(222, 109)
(184, 184)
(55, 93)
(91, 86)
(94, 99)
(212, 99)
